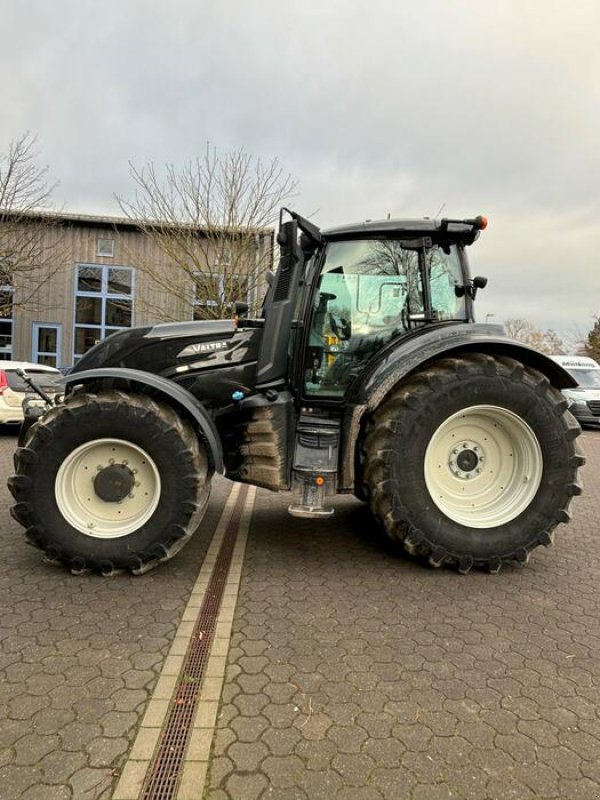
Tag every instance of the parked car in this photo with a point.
(584, 400)
(14, 391)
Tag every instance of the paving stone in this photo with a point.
(85, 782)
(45, 792)
(354, 769)
(248, 705)
(15, 780)
(33, 747)
(129, 699)
(581, 789)
(247, 787)
(247, 756)
(283, 771)
(436, 791)
(11, 730)
(249, 729)
(57, 767)
(348, 739)
(104, 752)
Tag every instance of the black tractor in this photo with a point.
(366, 374)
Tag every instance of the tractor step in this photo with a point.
(312, 499)
(315, 466)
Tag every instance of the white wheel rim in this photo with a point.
(483, 466)
(85, 510)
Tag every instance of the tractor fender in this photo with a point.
(400, 358)
(175, 394)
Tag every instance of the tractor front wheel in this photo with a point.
(473, 462)
(109, 482)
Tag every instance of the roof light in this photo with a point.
(479, 223)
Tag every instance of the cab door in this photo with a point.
(369, 292)
(360, 303)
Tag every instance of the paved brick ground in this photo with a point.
(79, 657)
(352, 673)
(355, 674)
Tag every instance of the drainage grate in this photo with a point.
(162, 781)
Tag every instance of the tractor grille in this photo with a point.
(594, 406)
(283, 285)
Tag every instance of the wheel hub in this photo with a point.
(466, 459)
(483, 466)
(114, 483)
(107, 488)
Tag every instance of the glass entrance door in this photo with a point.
(46, 346)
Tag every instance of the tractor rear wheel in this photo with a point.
(472, 461)
(109, 482)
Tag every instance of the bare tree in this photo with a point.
(575, 340)
(210, 220)
(547, 341)
(591, 342)
(31, 248)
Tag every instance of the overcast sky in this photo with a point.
(376, 107)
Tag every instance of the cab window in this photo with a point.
(370, 291)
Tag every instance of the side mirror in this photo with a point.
(479, 282)
(240, 308)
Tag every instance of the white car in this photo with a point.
(14, 391)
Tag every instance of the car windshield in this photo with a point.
(586, 378)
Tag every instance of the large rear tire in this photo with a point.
(109, 482)
(472, 462)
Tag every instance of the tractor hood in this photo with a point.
(176, 348)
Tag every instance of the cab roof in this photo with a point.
(454, 230)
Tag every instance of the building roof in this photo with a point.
(100, 221)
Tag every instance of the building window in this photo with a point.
(103, 304)
(6, 322)
(213, 292)
(46, 343)
(223, 258)
(105, 247)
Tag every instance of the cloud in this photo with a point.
(382, 108)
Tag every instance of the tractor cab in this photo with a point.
(347, 292)
(341, 303)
